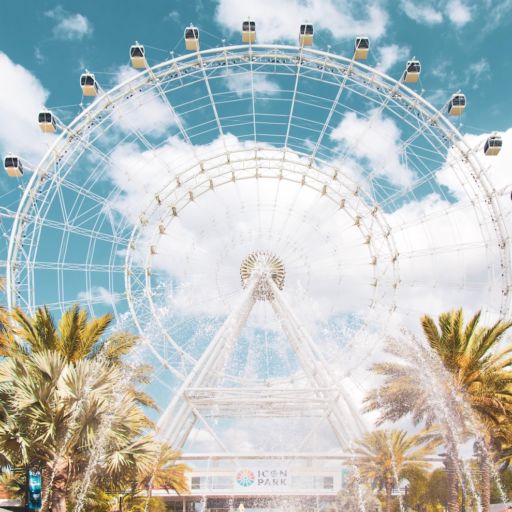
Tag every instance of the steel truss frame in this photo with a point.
(200, 397)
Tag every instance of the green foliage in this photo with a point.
(480, 372)
(417, 490)
(350, 497)
(13, 483)
(58, 385)
(97, 499)
(138, 504)
(437, 489)
(476, 369)
(384, 455)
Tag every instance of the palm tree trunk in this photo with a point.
(486, 483)
(59, 486)
(389, 487)
(453, 483)
(45, 479)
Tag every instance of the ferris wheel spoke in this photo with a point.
(69, 266)
(330, 114)
(175, 117)
(116, 239)
(459, 247)
(294, 98)
(212, 102)
(253, 100)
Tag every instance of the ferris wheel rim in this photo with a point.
(458, 140)
(386, 233)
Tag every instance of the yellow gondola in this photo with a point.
(457, 104)
(306, 34)
(13, 166)
(191, 36)
(138, 56)
(412, 71)
(493, 145)
(88, 84)
(47, 122)
(361, 48)
(248, 32)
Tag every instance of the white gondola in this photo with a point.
(192, 38)
(493, 145)
(306, 34)
(88, 84)
(13, 166)
(412, 71)
(47, 122)
(361, 48)
(249, 31)
(457, 104)
(138, 56)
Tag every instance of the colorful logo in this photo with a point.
(245, 477)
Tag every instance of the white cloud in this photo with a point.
(434, 12)
(183, 254)
(500, 11)
(241, 84)
(39, 56)
(458, 13)
(69, 26)
(145, 112)
(98, 294)
(422, 13)
(22, 96)
(390, 55)
(281, 20)
(452, 78)
(377, 140)
(174, 16)
(476, 72)
(498, 167)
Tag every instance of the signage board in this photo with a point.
(262, 479)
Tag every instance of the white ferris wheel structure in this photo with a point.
(233, 206)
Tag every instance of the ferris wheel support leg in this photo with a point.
(316, 367)
(209, 368)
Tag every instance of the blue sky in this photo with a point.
(44, 47)
(55, 41)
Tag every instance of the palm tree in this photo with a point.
(56, 410)
(387, 455)
(479, 373)
(164, 473)
(76, 337)
(6, 335)
(58, 388)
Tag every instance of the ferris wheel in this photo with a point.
(155, 200)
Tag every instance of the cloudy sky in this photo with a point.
(44, 46)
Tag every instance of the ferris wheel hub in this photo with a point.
(263, 266)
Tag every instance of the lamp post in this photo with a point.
(121, 496)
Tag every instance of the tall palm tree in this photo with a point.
(164, 473)
(6, 334)
(76, 336)
(56, 410)
(480, 373)
(387, 455)
(59, 385)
